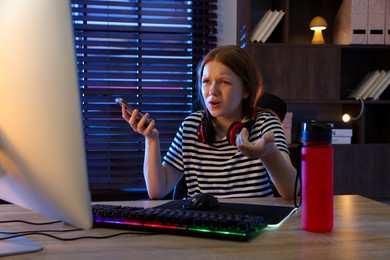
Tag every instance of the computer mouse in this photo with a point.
(201, 201)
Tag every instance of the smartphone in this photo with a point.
(121, 102)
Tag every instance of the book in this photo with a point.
(339, 124)
(376, 21)
(383, 87)
(364, 84)
(279, 17)
(267, 26)
(260, 25)
(339, 128)
(378, 88)
(376, 82)
(342, 132)
(351, 23)
(341, 140)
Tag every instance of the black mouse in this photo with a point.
(201, 201)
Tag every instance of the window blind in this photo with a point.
(145, 52)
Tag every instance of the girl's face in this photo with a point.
(223, 92)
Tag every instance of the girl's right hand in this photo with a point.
(138, 126)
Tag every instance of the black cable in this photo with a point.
(298, 179)
(42, 231)
(297, 194)
(74, 238)
(45, 232)
(30, 223)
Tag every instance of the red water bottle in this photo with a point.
(317, 177)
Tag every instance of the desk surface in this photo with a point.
(361, 231)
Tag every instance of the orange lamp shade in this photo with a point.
(317, 24)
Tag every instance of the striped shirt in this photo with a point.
(222, 169)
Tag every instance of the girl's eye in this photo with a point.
(205, 81)
(225, 82)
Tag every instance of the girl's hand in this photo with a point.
(138, 127)
(260, 149)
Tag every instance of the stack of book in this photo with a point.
(341, 136)
(341, 133)
(372, 85)
(266, 26)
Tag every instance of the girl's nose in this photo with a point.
(214, 88)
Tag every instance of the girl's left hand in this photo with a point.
(259, 149)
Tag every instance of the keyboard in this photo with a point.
(238, 227)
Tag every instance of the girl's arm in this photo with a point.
(160, 179)
(277, 163)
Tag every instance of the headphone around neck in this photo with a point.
(206, 131)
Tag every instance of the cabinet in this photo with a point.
(315, 81)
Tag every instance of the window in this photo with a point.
(145, 51)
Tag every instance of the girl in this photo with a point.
(233, 148)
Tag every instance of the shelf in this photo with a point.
(315, 81)
(359, 47)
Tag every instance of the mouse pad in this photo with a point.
(273, 215)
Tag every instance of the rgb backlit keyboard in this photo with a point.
(179, 222)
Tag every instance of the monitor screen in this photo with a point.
(42, 153)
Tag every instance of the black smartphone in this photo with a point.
(121, 102)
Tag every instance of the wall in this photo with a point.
(227, 16)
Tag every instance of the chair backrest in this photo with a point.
(268, 101)
(275, 103)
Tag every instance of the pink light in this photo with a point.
(135, 223)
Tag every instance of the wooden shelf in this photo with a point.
(315, 81)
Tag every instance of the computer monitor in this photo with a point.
(42, 153)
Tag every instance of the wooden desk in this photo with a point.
(361, 231)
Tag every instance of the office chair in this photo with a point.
(274, 103)
(268, 101)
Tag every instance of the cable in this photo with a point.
(30, 223)
(45, 232)
(41, 231)
(74, 238)
(361, 109)
(346, 117)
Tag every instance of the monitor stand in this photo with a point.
(18, 245)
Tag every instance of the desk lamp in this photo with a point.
(318, 24)
(346, 117)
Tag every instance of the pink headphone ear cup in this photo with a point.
(232, 131)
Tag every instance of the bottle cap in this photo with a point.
(316, 132)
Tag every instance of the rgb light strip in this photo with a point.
(160, 226)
